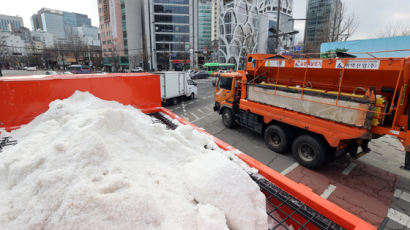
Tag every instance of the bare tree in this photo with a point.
(394, 29)
(62, 51)
(77, 46)
(3, 49)
(342, 26)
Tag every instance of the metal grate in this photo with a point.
(162, 119)
(5, 141)
(299, 214)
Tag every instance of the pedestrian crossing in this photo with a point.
(398, 215)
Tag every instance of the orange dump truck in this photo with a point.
(24, 98)
(318, 108)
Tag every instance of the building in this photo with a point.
(156, 35)
(113, 33)
(172, 33)
(89, 35)
(246, 27)
(12, 49)
(204, 24)
(215, 19)
(47, 39)
(58, 22)
(10, 23)
(323, 18)
(364, 48)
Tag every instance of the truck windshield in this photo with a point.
(225, 83)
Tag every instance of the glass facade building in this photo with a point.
(204, 23)
(322, 15)
(8, 23)
(171, 30)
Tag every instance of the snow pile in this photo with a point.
(93, 164)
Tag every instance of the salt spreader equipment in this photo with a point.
(318, 107)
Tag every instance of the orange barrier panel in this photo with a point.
(24, 98)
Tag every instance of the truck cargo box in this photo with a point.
(351, 111)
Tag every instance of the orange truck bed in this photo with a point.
(24, 98)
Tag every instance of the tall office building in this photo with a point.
(10, 23)
(56, 21)
(323, 17)
(114, 34)
(215, 20)
(171, 32)
(204, 24)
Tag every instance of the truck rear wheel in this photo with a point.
(174, 101)
(278, 138)
(309, 151)
(227, 118)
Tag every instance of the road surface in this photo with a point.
(373, 187)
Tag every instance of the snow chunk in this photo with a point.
(217, 181)
(210, 217)
(87, 163)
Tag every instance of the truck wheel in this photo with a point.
(192, 96)
(309, 151)
(278, 138)
(227, 118)
(174, 101)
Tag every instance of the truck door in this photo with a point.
(224, 90)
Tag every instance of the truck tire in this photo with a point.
(192, 96)
(174, 101)
(227, 118)
(309, 151)
(278, 138)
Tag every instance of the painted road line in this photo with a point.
(198, 119)
(349, 168)
(183, 109)
(402, 195)
(199, 110)
(207, 108)
(195, 116)
(399, 217)
(185, 118)
(329, 190)
(290, 168)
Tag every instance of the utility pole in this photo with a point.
(277, 27)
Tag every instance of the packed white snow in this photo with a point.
(87, 163)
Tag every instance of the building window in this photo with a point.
(172, 19)
(172, 28)
(172, 1)
(172, 38)
(171, 9)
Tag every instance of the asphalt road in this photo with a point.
(373, 187)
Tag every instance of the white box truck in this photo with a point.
(176, 85)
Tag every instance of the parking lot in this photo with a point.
(373, 187)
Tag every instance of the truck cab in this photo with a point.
(227, 96)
